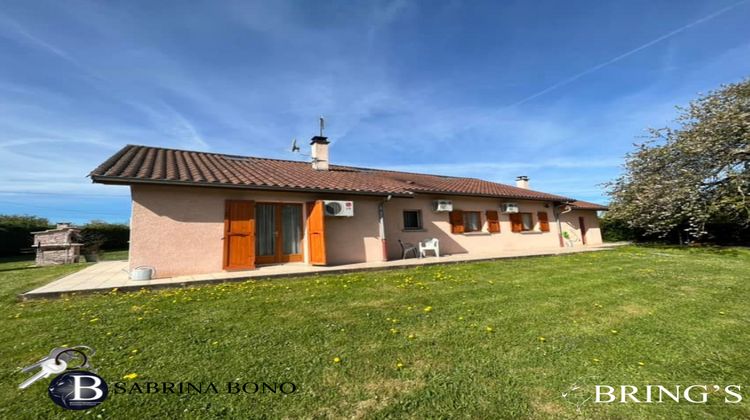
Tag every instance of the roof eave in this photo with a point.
(100, 179)
(510, 197)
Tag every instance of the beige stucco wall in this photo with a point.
(571, 224)
(437, 225)
(179, 230)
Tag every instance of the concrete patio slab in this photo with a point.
(107, 275)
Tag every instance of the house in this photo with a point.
(197, 212)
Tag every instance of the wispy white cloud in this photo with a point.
(628, 53)
(175, 128)
(245, 77)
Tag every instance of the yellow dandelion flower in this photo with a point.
(215, 343)
(399, 365)
(488, 329)
(596, 360)
(130, 376)
(428, 309)
(641, 364)
(93, 319)
(542, 339)
(614, 331)
(134, 351)
(460, 318)
(336, 360)
(411, 336)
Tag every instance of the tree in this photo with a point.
(688, 178)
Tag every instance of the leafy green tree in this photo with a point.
(685, 178)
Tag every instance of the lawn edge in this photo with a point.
(27, 296)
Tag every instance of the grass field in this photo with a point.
(486, 340)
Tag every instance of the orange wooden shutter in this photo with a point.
(457, 221)
(493, 222)
(516, 222)
(239, 235)
(316, 232)
(543, 221)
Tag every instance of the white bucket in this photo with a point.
(142, 273)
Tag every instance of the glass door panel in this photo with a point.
(291, 229)
(265, 230)
(278, 233)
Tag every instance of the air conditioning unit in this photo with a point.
(510, 208)
(339, 208)
(442, 205)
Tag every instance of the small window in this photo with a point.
(527, 222)
(472, 221)
(412, 219)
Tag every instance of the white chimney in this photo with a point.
(319, 153)
(522, 182)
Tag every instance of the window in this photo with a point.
(412, 219)
(527, 222)
(521, 222)
(472, 221)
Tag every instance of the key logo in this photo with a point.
(75, 388)
(78, 390)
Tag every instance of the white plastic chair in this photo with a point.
(431, 244)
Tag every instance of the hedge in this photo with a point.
(16, 237)
(15, 232)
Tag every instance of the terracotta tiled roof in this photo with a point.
(585, 205)
(144, 164)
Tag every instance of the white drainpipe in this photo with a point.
(556, 211)
(381, 227)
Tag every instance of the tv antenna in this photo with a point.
(296, 148)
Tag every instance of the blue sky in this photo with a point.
(554, 90)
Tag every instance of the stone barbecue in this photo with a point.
(57, 246)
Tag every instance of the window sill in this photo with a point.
(413, 230)
(476, 234)
(531, 232)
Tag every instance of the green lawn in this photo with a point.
(485, 340)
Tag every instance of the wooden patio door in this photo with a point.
(316, 232)
(239, 235)
(278, 233)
